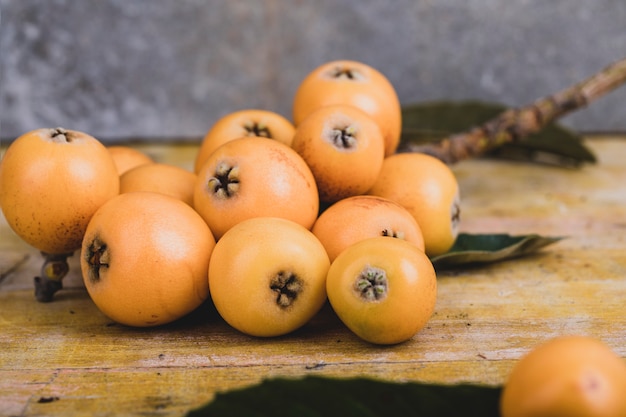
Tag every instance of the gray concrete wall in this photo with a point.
(158, 68)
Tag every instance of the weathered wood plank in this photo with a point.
(66, 358)
(173, 391)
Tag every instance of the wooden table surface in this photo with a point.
(65, 358)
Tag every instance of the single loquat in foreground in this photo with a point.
(51, 182)
(161, 178)
(360, 217)
(384, 290)
(429, 190)
(566, 376)
(267, 276)
(353, 83)
(244, 123)
(145, 259)
(255, 177)
(343, 147)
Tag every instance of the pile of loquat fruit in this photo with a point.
(276, 218)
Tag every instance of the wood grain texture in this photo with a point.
(67, 359)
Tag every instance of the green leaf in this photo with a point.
(433, 121)
(316, 396)
(429, 121)
(470, 249)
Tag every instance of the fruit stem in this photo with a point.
(513, 125)
(53, 270)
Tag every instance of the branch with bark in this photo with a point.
(513, 125)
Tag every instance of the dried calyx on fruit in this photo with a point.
(257, 129)
(48, 202)
(371, 284)
(225, 181)
(287, 286)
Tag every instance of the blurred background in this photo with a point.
(163, 69)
